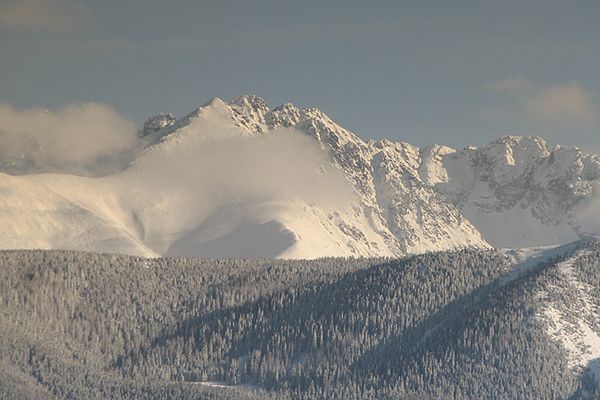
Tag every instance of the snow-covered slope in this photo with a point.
(241, 179)
(35, 216)
(570, 314)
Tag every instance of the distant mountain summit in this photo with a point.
(242, 179)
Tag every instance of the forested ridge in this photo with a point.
(439, 325)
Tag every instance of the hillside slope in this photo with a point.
(454, 325)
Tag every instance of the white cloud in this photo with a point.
(84, 138)
(93, 139)
(42, 15)
(239, 168)
(567, 103)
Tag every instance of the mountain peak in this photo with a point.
(157, 122)
(284, 116)
(250, 101)
(522, 140)
(511, 150)
(250, 112)
(215, 101)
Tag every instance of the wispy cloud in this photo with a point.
(567, 104)
(81, 138)
(563, 103)
(42, 16)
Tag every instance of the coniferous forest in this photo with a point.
(436, 326)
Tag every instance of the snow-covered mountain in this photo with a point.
(518, 192)
(241, 179)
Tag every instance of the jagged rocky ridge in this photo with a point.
(513, 192)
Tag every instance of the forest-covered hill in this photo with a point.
(454, 325)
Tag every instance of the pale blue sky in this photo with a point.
(454, 72)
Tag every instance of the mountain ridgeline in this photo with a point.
(240, 179)
(468, 324)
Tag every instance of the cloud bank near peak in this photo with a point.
(82, 138)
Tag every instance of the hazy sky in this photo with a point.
(455, 72)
